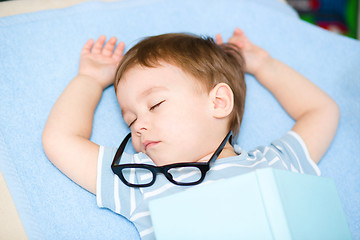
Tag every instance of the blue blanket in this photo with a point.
(39, 54)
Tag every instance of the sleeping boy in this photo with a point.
(182, 97)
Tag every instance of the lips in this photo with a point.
(149, 144)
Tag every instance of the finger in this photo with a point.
(119, 51)
(238, 31)
(87, 47)
(99, 44)
(218, 39)
(238, 38)
(109, 47)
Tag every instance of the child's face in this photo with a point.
(169, 117)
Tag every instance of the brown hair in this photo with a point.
(200, 57)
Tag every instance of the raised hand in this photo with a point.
(254, 56)
(99, 60)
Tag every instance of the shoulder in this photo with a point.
(288, 152)
(110, 191)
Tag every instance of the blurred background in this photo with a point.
(340, 16)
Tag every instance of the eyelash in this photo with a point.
(151, 109)
(132, 123)
(156, 105)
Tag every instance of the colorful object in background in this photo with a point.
(340, 16)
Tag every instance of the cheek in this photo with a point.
(192, 114)
(171, 119)
(180, 118)
(179, 123)
(136, 143)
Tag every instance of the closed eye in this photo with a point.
(132, 123)
(156, 105)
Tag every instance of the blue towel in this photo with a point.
(39, 54)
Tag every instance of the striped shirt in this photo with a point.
(288, 153)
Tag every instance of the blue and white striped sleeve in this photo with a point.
(111, 193)
(294, 154)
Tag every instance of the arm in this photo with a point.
(69, 125)
(315, 113)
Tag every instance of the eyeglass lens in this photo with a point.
(137, 176)
(185, 174)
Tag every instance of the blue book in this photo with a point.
(264, 204)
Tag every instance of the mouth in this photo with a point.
(150, 144)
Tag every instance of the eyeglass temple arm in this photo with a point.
(121, 149)
(220, 148)
(212, 159)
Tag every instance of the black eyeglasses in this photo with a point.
(183, 174)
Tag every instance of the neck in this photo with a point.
(228, 151)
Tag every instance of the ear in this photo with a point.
(222, 100)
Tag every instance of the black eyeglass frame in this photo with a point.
(202, 166)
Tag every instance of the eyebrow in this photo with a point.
(151, 90)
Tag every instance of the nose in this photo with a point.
(141, 126)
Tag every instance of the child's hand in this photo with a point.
(254, 56)
(99, 61)
(316, 115)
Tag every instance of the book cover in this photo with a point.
(264, 204)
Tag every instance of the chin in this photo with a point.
(164, 161)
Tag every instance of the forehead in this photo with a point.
(161, 69)
(141, 81)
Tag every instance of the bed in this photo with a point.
(39, 54)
